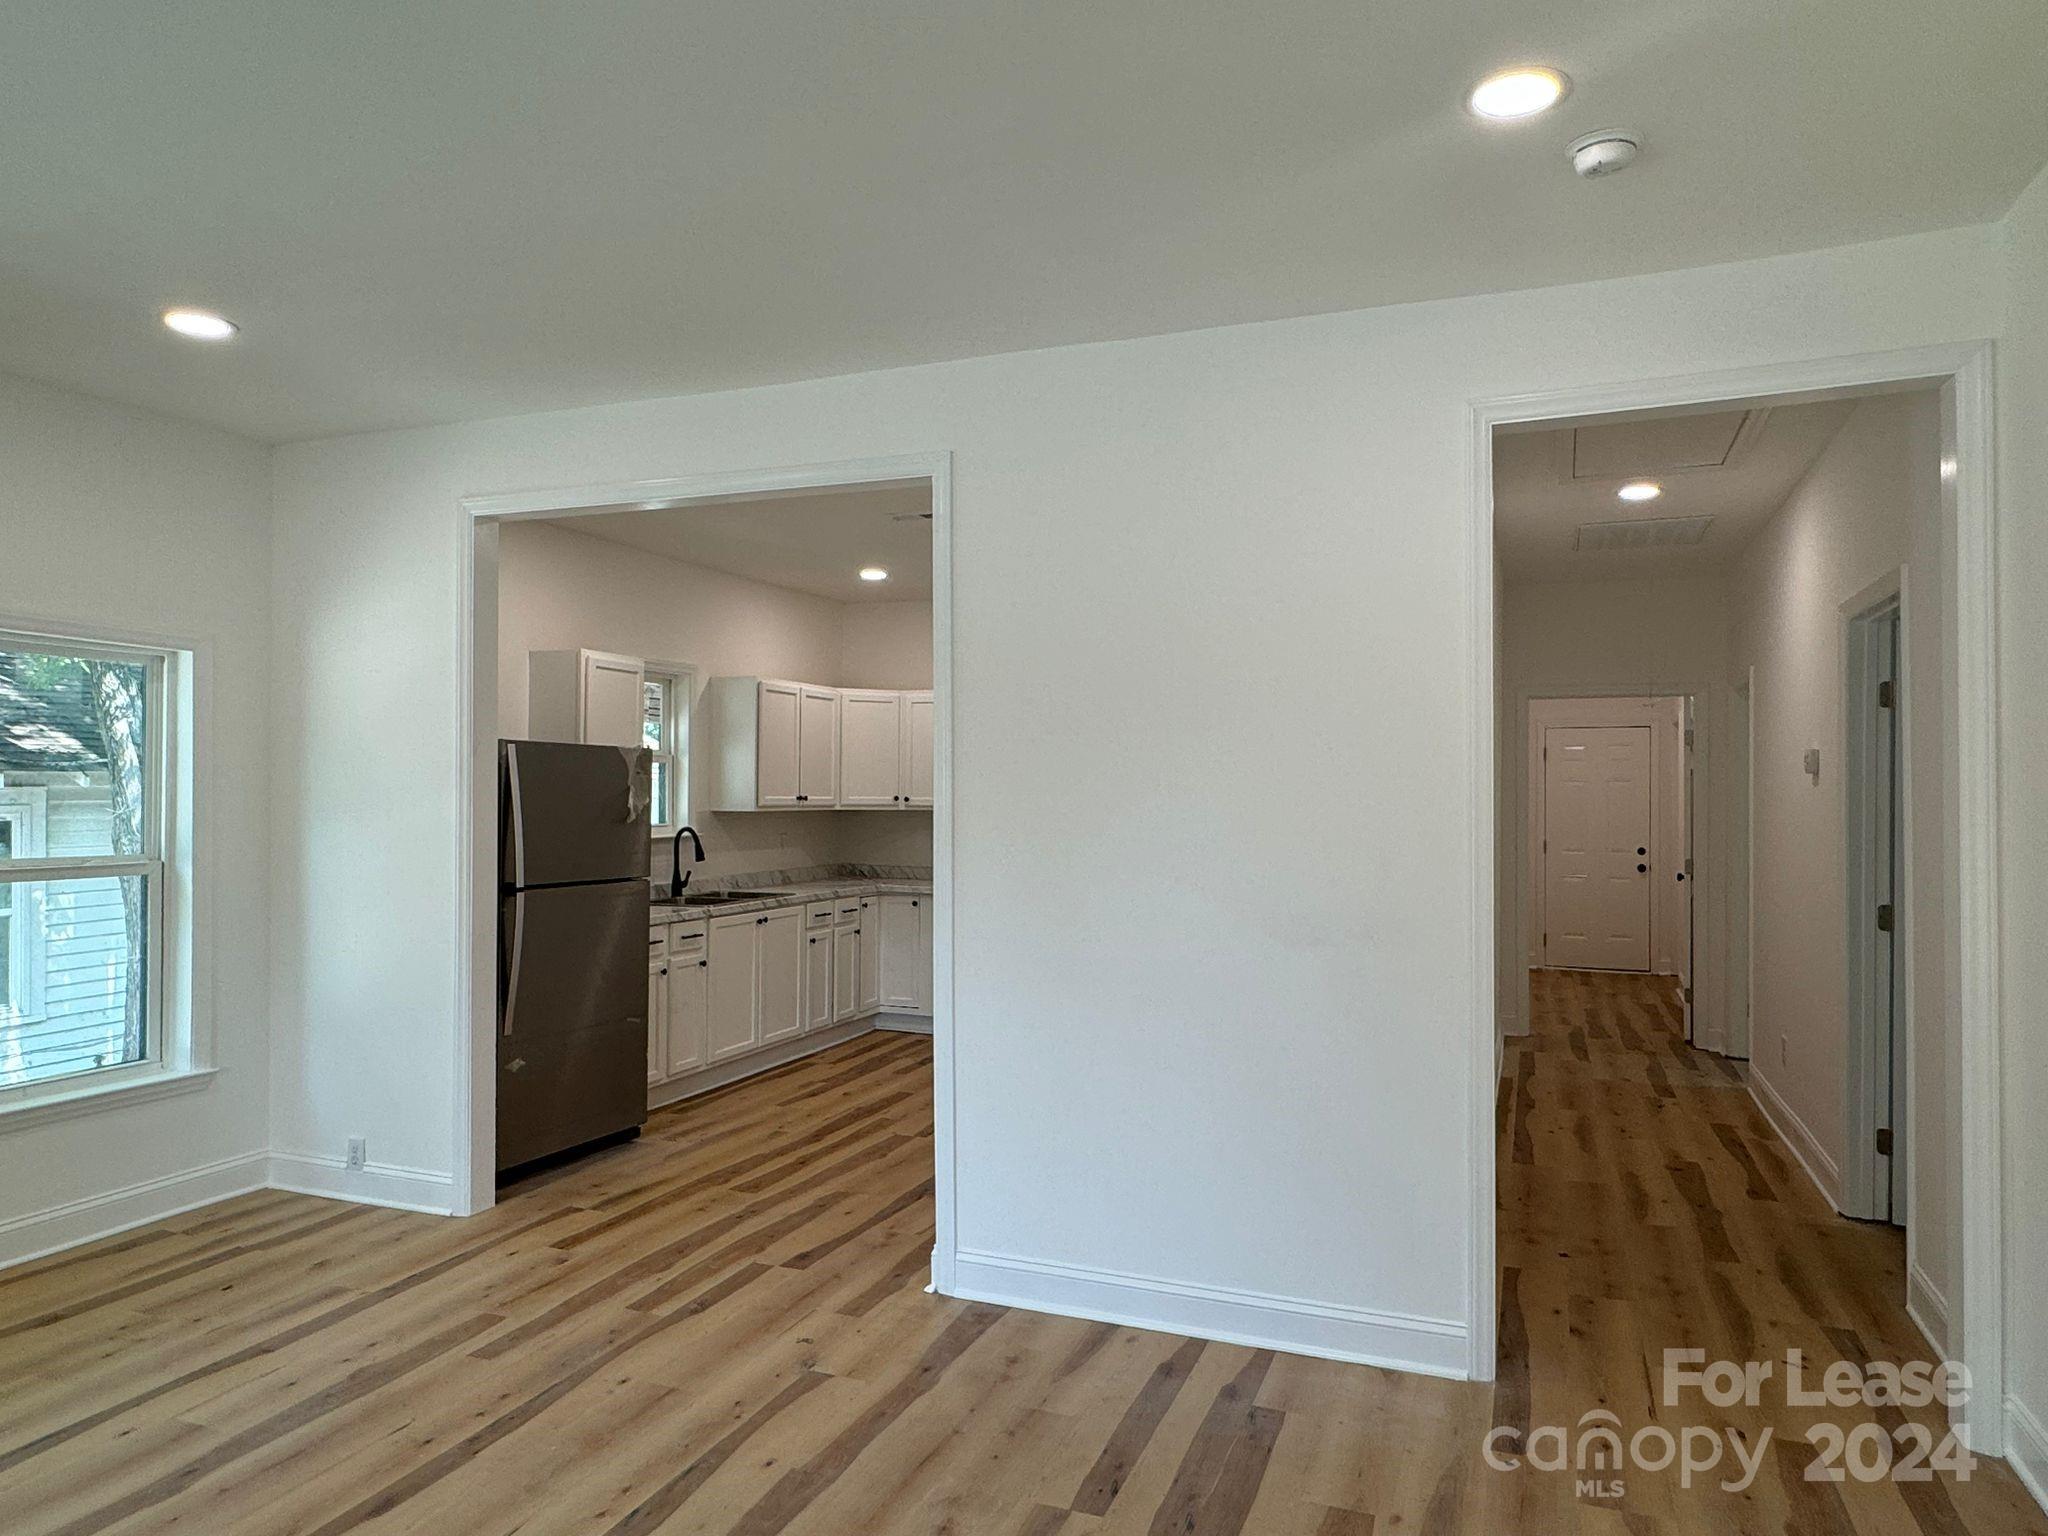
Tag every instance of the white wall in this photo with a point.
(1641, 637)
(1851, 522)
(2023, 793)
(887, 645)
(130, 522)
(1211, 636)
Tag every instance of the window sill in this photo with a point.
(70, 1103)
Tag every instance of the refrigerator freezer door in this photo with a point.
(571, 813)
(572, 1029)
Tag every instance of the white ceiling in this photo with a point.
(813, 541)
(467, 208)
(1736, 465)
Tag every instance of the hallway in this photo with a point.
(1647, 1204)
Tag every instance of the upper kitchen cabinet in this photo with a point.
(586, 696)
(885, 749)
(775, 744)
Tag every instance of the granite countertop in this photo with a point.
(661, 913)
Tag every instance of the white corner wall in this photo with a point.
(2023, 799)
(1850, 523)
(134, 523)
(1216, 961)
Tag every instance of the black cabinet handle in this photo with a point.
(1641, 851)
(702, 963)
(1681, 874)
(1642, 868)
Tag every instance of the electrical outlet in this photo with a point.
(358, 1150)
(1784, 1051)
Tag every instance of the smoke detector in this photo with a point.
(1605, 152)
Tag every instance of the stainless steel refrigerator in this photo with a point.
(572, 945)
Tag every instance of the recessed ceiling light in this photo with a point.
(200, 324)
(873, 573)
(1640, 490)
(1519, 92)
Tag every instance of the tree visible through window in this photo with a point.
(80, 866)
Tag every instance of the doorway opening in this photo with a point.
(717, 625)
(1734, 555)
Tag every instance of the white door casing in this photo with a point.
(1596, 820)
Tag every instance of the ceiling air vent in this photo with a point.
(1642, 533)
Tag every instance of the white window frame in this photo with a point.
(177, 1039)
(27, 807)
(680, 680)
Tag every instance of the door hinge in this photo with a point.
(1884, 1141)
(1685, 994)
(1884, 694)
(1688, 869)
(1884, 918)
(1688, 739)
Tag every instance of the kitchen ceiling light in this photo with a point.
(200, 324)
(1519, 92)
(1640, 490)
(873, 573)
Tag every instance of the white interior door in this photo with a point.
(1596, 847)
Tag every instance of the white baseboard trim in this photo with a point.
(1430, 1345)
(1827, 1178)
(1928, 1308)
(904, 1023)
(404, 1189)
(2026, 1448)
(38, 1233)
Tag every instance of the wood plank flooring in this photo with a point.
(722, 1328)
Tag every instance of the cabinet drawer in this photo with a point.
(847, 914)
(686, 941)
(818, 914)
(657, 944)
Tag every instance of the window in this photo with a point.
(82, 755)
(665, 731)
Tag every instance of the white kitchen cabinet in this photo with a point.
(868, 986)
(918, 717)
(775, 744)
(870, 748)
(657, 1012)
(780, 954)
(688, 1000)
(817, 777)
(818, 995)
(734, 1012)
(846, 960)
(906, 954)
(588, 696)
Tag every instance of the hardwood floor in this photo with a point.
(722, 1328)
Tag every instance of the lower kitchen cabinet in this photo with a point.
(721, 991)
(817, 978)
(868, 986)
(687, 1005)
(657, 1011)
(906, 954)
(735, 1000)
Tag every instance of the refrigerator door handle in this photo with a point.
(518, 813)
(512, 976)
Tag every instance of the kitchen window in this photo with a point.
(665, 732)
(85, 750)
